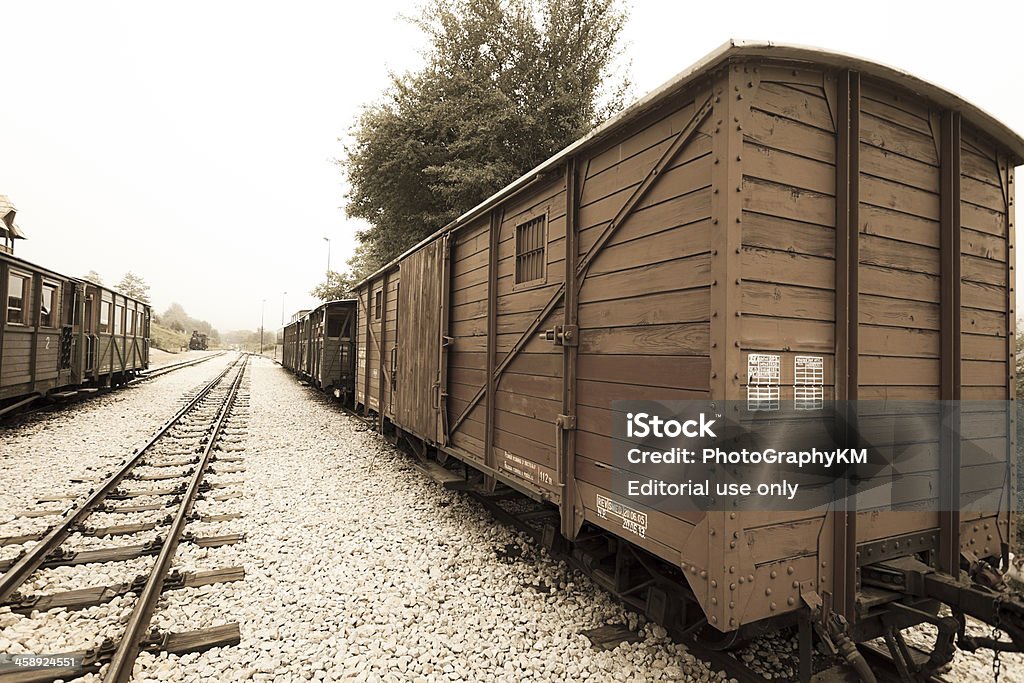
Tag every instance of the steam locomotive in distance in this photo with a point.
(198, 342)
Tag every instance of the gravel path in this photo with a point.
(359, 568)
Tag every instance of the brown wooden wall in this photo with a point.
(467, 325)
(793, 211)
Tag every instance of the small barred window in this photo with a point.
(531, 246)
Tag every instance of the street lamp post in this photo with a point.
(328, 240)
(283, 295)
(263, 309)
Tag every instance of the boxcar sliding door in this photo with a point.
(418, 394)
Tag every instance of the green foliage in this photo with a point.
(93, 277)
(506, 84)
(175, 318)
(340, 285)
(134, 286)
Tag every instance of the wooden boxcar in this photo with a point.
(319, 346)
(60, 333)
(769, 200)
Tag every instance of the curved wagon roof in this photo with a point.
(1005, 137)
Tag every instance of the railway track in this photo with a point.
(62, 399)
(167, 475)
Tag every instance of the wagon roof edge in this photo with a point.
(731, 49)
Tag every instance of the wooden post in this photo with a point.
(844, 522)
(491, 387)
(572, 514)
(383, 347)
(950, 348)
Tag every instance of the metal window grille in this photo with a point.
(531, 244)
(763, 379)
(808, 383)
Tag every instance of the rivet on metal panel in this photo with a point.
(732, 622)
(714, 619)
(714, 601)
(738, 219)
(773, 574)
(739, 281)
(987, 550)
(714, 583)
(693, 569)
(711, 532)
(773, 607)
(732, 544)
(767, 591)
(897, 545)
(732, 569)
(739, 314)
(714, 375)
(703, 574)
(975, 530)
(739, 97)
(824, 564)
(714, 345)
(796, 584)
(790, 602)
(682, 565)
(738, 249)
(732, 605)
(789, 570)
(732, 586)
(750, 84)
(735, 534)
(988, 538)
(732, 515)
(739, 157)
(750, 578)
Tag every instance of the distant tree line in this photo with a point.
(505, 84)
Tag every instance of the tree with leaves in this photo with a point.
(93, 277)
(134, 286)
(505, 84)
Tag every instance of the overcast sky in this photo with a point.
(191, 142)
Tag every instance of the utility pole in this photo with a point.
(328, 240)
(283, 295)
(263, 310)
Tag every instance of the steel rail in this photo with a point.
(123, 661)
(165, 369)
(31, 560)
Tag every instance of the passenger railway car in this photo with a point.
(319, 346)
(770, 202)
(60, 333)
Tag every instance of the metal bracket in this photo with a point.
(562, 335)
(565, 422)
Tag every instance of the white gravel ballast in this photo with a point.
(360, 568)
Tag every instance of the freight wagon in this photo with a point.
(319, 346)
(775, 223)
(60, 333)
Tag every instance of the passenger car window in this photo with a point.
(48, 305)
(105, 307)
(17, 294)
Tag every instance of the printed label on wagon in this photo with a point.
(520, 467)
(811, 454)
(633, 521)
